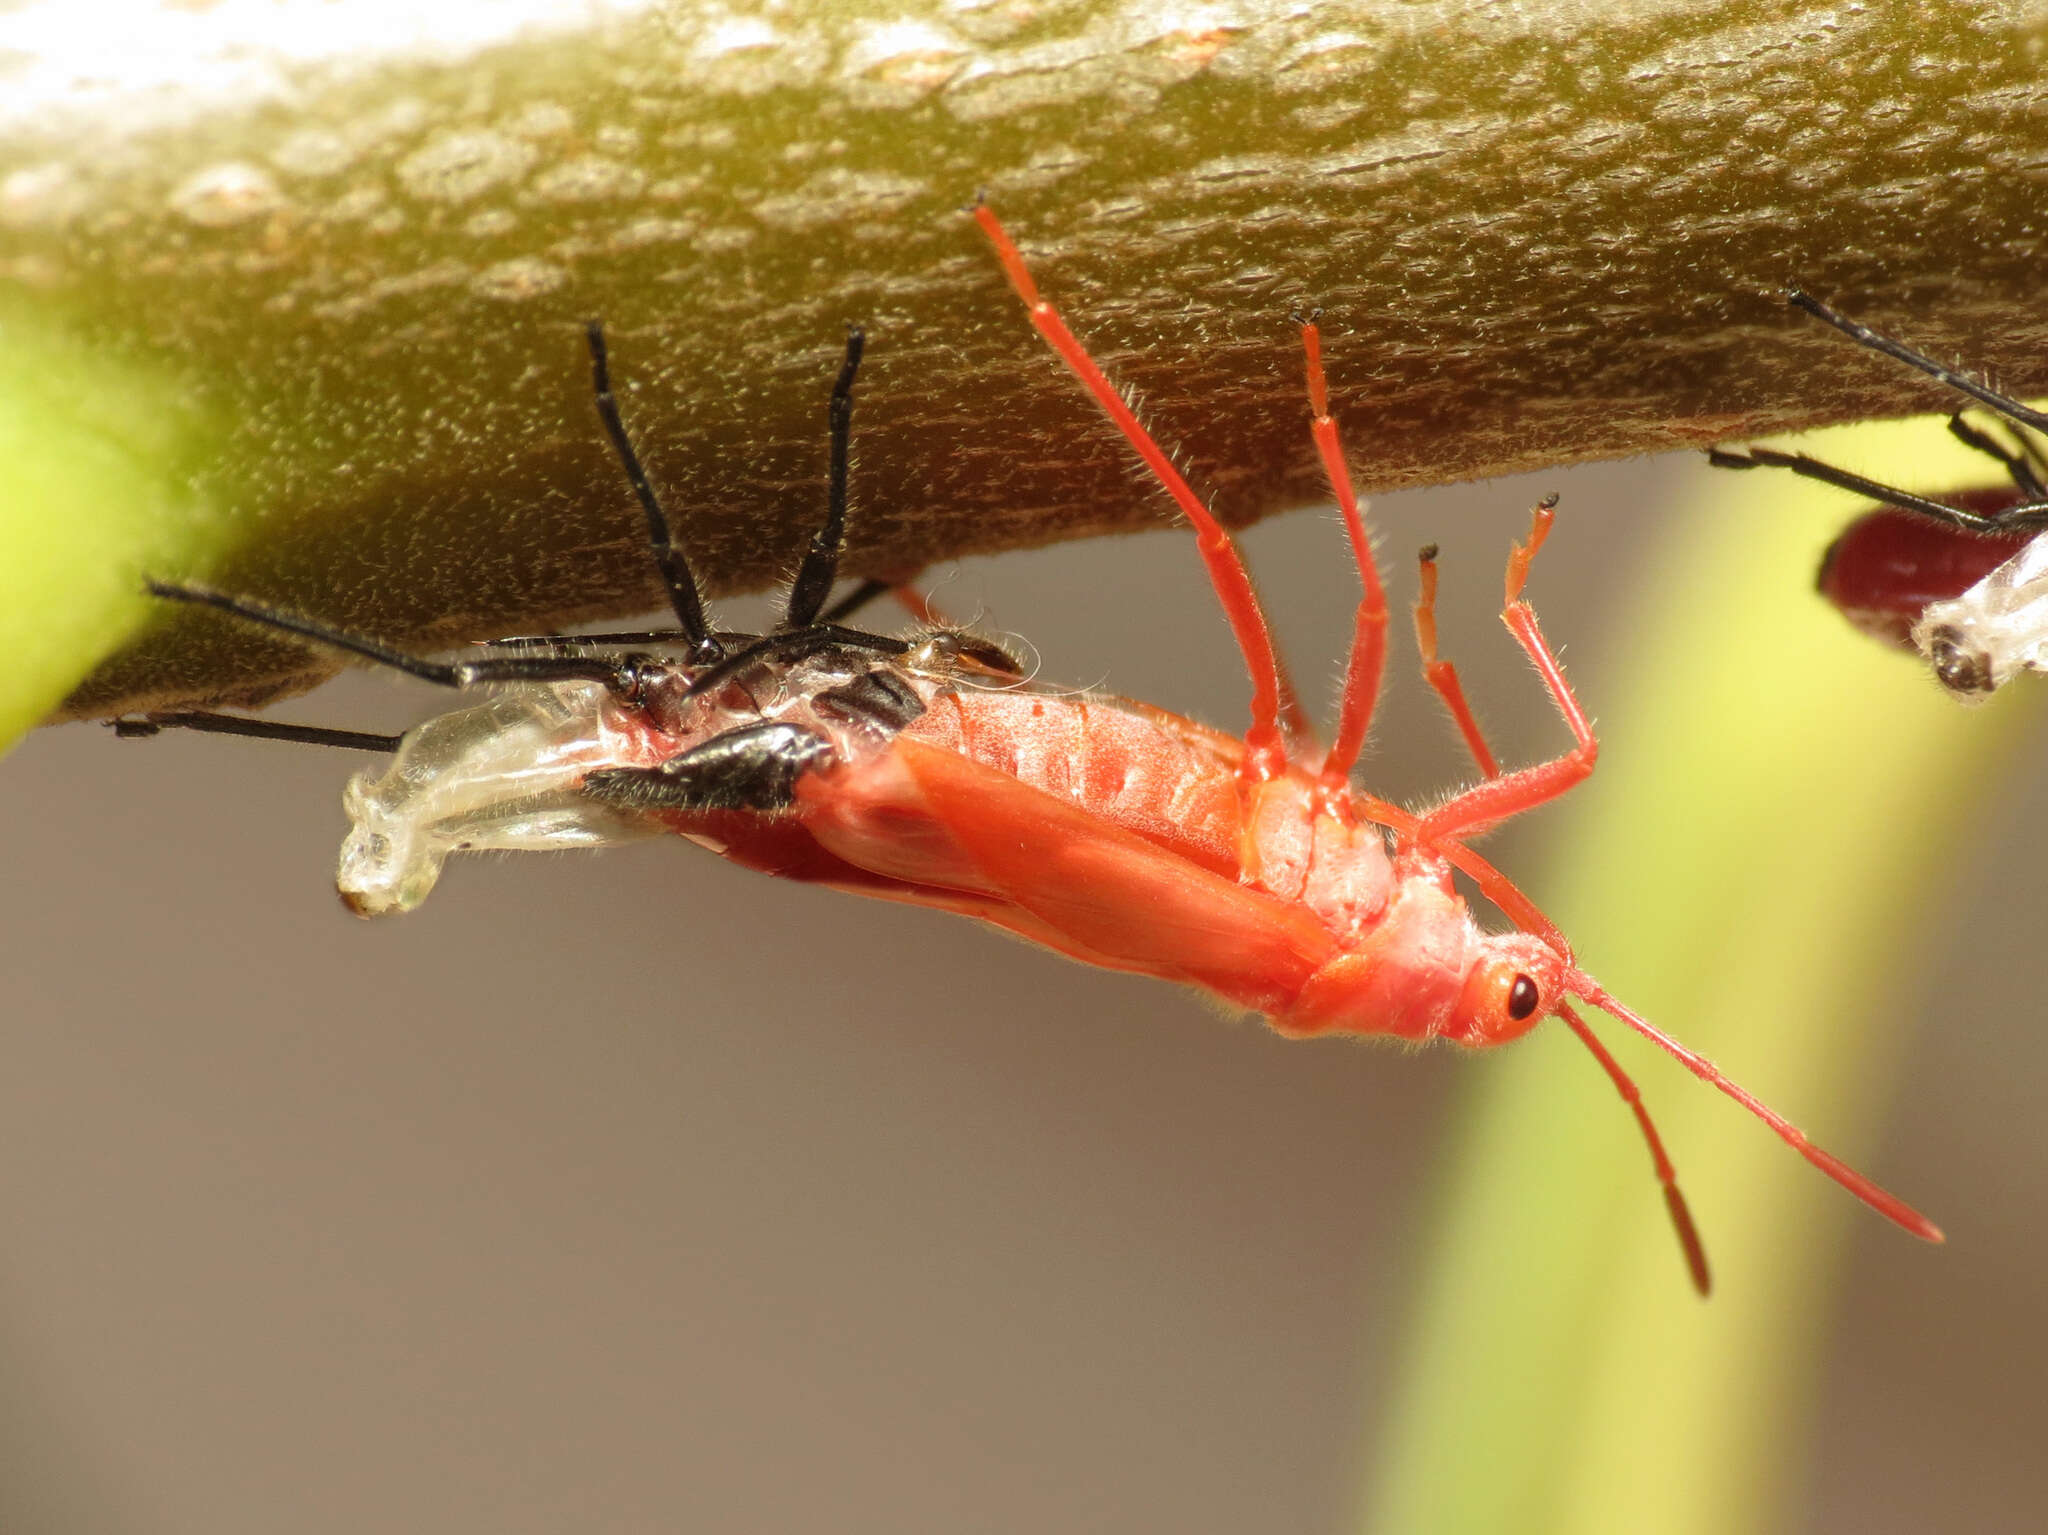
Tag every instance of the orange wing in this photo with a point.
(1077, 883)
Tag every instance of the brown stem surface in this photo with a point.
(1538, 234)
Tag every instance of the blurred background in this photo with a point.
(629, 1191)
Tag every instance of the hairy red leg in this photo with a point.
(1525, 914)
(1533, 787)
(1295, 723)
(1443, 675)
(1497, 799)
(1681, 1214)
(1887, 1204)
(1265, 750)
(1368, 657)
(1497, 888)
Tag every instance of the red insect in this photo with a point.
(1960, 580)
(929, 770)
(1888, 567)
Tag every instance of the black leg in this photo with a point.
(854, 601)
(1863, 335)
(262, 730)
(2017, 463)
(675, 569)
(755, 768)
(580, 643)
(616, 672)
(792, 645)
(814, 578)
(2031, 514)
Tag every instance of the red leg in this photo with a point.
(1295, 724)
(918, 605)
(1265, 751)
(1442, 675)
(1368, 657)
(1499, 798)
(1494, 885)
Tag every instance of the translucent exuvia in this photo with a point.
(504, 774)
(1997, 629)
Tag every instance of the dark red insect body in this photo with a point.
(1887, 567)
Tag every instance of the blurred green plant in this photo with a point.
(1774, 813)
(98, 461)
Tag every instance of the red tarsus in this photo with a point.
(1442, 675)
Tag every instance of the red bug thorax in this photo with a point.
(1889, 564)
(1426, 971)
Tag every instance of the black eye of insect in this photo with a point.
(1522, 998)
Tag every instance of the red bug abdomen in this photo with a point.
(1169, 780)
(1126, 766)
(1113, 833)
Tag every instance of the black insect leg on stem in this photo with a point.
(2030, 511)
(262, 730)
(2019, 463)
(814, 578)
(619, 673)
(854, 601)
(683, 595)
(1863, 335)
(2029, 514)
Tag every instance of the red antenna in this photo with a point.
(1884, 1202)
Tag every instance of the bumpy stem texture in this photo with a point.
(1538, 233)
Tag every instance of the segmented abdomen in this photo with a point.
(1166, 778)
